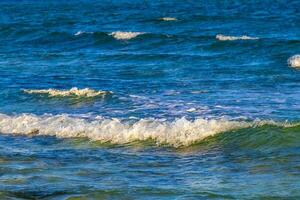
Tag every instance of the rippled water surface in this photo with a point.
(149, 99)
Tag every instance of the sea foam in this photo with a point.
(68, 93)
(168, 19)
(119, 35)
(294, 61)
(180, 132)
(231, 38)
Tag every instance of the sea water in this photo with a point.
(149, 99)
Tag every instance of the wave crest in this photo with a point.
(120, 35)
(86, 92)
(232, 38)
(168, 19)
(294, 61)
(180, 132)
(82, 32)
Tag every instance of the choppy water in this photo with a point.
(149, 100)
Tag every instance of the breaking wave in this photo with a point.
(69, 93)
(294, 61)
(82, 32)
(231, 38)
(180, 132)
(120, 35)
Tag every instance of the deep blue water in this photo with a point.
(184, 115)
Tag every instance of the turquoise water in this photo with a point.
(149, 100)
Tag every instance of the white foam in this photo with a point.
(180, 132)
(86, 92)
(191, 110)
(168, 19)
(294, 61)
(119, 35)
(231, 38)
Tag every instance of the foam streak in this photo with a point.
(232, 38)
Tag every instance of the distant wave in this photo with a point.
(55, 38)
(181, 132)
(231, 38)
(68, 93)
(82, 32)
(120, 35)
(168, 19)
(294, 61)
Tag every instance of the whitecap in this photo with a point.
(294, 61)
(191, 110)
(231, 38)
(180, 132)
(82, 32)
(86, 92)
(168, 19)
(120, 35)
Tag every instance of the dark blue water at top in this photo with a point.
(173, 69)
(174, 66)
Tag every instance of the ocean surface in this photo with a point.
(149, 99)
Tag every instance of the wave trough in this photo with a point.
(180, 132)
(86, 92)
(232, 38)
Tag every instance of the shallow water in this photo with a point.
(204, 105)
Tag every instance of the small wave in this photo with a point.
(294, 61)
(82, 32)
(191, 110)
(199, 91)
(231, 38)
(180, 132)
(119, 35)
(68, 93)
(168, 19)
